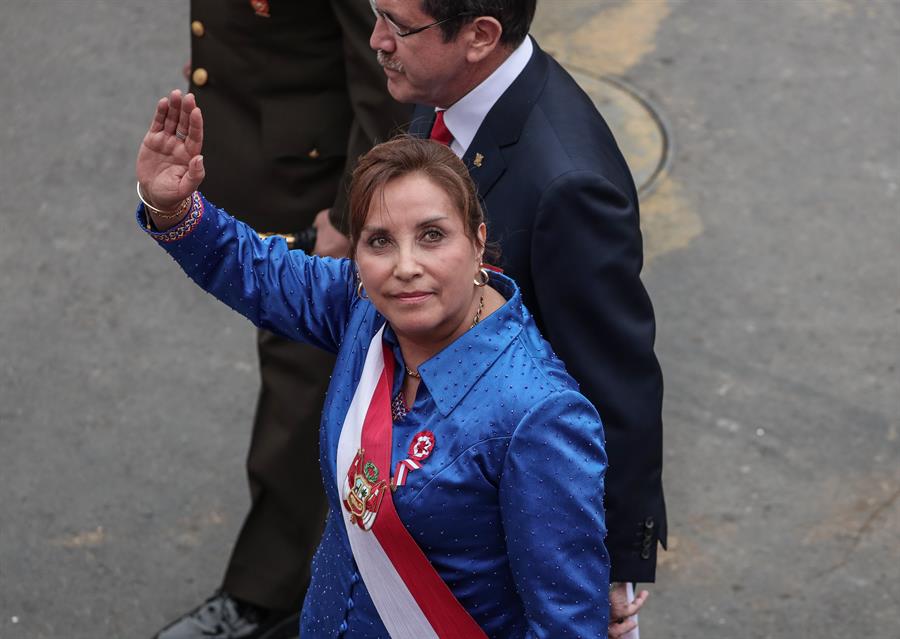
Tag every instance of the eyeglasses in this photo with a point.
(402, 31)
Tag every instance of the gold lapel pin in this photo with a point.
(479, 160)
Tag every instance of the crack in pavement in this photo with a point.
(861, 532)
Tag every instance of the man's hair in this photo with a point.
(514, 16)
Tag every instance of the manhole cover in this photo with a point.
(638, 128)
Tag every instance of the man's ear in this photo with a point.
(483, 35)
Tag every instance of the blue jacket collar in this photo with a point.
(452, 372)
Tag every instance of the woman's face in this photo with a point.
(416, 262)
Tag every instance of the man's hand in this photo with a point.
(621, 612)
(329, 241)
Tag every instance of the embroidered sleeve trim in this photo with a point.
(185, 226)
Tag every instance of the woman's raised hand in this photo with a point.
(169, 165)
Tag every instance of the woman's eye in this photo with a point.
(433, 235)
(378, 241)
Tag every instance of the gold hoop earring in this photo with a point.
(484, 277)
(359, 289)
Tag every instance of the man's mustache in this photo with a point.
(388, 62)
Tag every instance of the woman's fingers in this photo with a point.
(192, 124)
(188, 104)
(173, 112)
(196, 135)
(159, 118)
(182, 129)
(192, 178)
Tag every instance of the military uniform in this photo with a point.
(291, 95)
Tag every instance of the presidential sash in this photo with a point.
(411, 598)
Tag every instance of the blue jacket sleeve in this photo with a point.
(298, 296)
(551, 499)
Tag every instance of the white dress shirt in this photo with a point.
(464, 118)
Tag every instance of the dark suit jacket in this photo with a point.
(290, 103)
(561, 202)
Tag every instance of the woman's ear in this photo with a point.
(481, 241)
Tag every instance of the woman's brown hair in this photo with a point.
(404, 155)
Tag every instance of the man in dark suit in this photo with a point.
(561, 202)
(291, 96)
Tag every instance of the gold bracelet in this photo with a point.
(165, 215)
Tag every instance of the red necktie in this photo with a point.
(439, 131)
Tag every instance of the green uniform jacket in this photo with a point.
(289, 101)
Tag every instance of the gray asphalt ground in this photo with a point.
(772, 240)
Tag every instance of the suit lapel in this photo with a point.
(501, 127)
(422, 121)
(503, 124)
(484, 161)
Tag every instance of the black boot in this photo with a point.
(224, 617)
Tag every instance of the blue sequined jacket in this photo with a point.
(509, 506)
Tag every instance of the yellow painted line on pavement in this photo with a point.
(613, 40)
(608, 39)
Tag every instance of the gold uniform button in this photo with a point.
(200, 76)
(314, 154)
(197, 28)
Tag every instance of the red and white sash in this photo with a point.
(411, 598)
